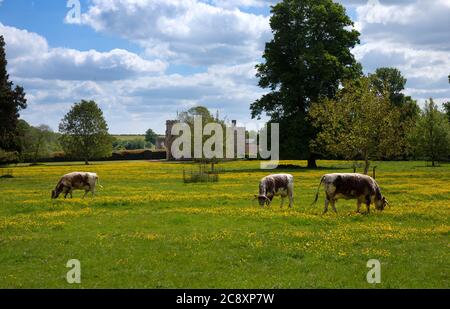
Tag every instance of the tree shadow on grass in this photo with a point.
(289, 168)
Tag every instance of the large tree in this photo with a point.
(431, 137)
(85, 132)
(12, 100)
(307, 59)
(359, 124)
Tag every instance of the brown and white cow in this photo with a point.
(76, 181)
(273, 185)
(363, 188)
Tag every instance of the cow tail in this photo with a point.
(317, 194)
(98, 182)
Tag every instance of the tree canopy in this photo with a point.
(85, 132)
(150, 137)
(392, 81)
(431, 136)
(308, 58)
(37, 142)
(12, 100)
(446, 106)
(360, 123)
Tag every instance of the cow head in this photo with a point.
(381, 204)
(262, 199)
(55, 194)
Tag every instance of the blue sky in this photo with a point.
(144, 60)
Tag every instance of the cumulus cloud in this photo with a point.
(424, 24)
(354, 3)
(183, 31)
(139, 103)
(29, 55)
(412, 35)
(242, 3)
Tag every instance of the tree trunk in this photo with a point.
(366, 166)
(312, 162)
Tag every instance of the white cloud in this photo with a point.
(243, 3)
(30, 56)
(183, 31)
(356, 3)
(133, 105)
(422, 23)
(411, 35)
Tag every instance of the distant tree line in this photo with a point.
(148, 141)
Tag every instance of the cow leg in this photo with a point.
(65, 191)
(85, 193)
(325, 210)
(368, 201)
(270, 200)
(358, 207)
(282, 201)
(333, 202)
(290, 192)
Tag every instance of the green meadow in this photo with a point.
(147, 229)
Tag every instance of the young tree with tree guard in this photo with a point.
(189, 116)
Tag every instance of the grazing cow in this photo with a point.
(363, 188)
(279, 184)
(76, 181)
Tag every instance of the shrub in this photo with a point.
(202, 175)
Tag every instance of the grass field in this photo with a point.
(129, 136)
(147, 229)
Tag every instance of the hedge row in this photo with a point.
(122, 155)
